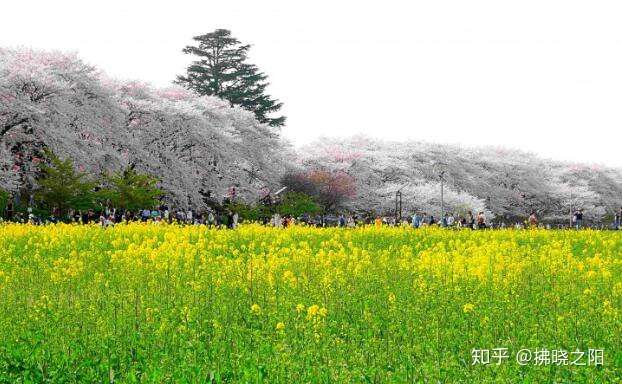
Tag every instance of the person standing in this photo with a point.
(578, 218)
(9, 209)
(617, 224)
(189, 216)
(91, 217)
(533, 220)
(342, 220)
(277, 221)
(416, 220)
(445, 220)
(236, 217)
(378, 222)
(211, 220)
(166, 215)
(471, 220)
(145, 215)
(481, 220)
(230, 224)
(351, 223)
(318, 220)
(450, 220)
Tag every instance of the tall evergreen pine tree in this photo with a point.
(222, 71)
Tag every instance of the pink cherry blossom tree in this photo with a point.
(54, 100)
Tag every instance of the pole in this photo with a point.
(489, 205)
(396, 205)
(571, 209)
(400, 206)
(396, 195)
(442, 196)
(186, 197)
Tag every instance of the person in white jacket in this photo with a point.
(235, 220)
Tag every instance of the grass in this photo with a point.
(160, 303)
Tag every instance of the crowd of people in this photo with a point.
(477, 221)
(228, 218)
(448, 220)
(111, 216)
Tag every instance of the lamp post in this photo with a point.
(439, 169)
(441, 176)
(489, 205)
(398, 206)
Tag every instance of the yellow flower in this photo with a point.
(609, 310)
(591, 274)
(313, 310)
(255, 309)
(391, 298)
(468, 307)
(280, 326)
(587, 292)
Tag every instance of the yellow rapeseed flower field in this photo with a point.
(166, 303)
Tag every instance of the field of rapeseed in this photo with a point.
(163, 303)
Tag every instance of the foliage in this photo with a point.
(190, 143)
(222, 70)
(507, 184)
(131, 190)
(329, 188)
(4, 199)
(248, 212)
(296, 204)
(160, 303)
(62, 187)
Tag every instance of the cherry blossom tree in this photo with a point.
(197, 146)
(507, 184)
(330, 188)
(53, 100)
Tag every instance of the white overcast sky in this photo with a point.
(542, 76)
